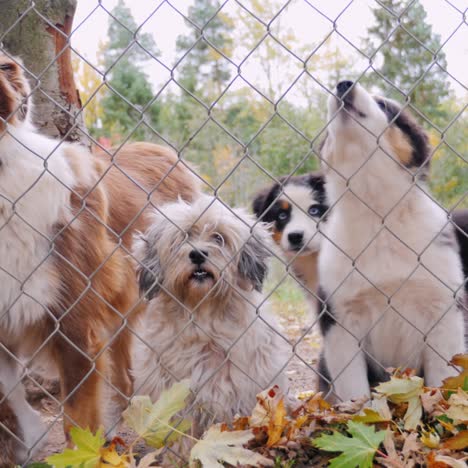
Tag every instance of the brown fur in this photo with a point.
(151, 175)
(86, 249)
(401, 145)
(86, 334)
(305, 268)
(14, 91)
(8, 422)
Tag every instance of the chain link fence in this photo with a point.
(236, 182)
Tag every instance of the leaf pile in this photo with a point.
(404, 424)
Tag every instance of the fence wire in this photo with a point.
(284, 266)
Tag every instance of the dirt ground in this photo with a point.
(301, 376)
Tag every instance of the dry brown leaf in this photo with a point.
(457, 442)
(444, 461)
(277, 424)
(241, 424)
(460, 360)
(379, 403)
(452, 383)
(352, 406)
(430, 400)
(316, 403)
(267, 401)
(412, 444)
(392, 460)
(458, 409)
(433, 463)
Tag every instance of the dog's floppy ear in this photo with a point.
(253, 261)
(263, 200)
(149, 272)
(14, 90)
(259, 202)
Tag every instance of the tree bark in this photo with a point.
(43, 45)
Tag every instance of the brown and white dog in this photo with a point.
(67, 284)
(392, 277)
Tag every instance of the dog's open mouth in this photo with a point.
(201, 275)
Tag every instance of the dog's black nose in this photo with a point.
(343, 86)
(296, 238)
(198, 256)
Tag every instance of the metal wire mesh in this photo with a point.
(245, 155)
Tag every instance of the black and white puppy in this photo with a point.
(295, 207)
(391, 279)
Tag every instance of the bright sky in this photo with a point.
(161, 19)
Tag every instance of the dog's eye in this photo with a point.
(316, 210)
(6, 66)
(382, 105)
(283, 216)
(218, 238)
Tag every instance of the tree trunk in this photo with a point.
(42, 44)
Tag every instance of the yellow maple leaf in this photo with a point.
(111, 459)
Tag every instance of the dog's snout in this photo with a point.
(296, 238)
(343, 86)
(198, 256)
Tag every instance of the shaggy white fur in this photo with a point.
(207, 321)
(391, 274)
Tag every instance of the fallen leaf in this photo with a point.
(392, 460)
(430, 438)
(452, 383)
(146, 461)
(277, 424)
(379, 403)
(405, 391)
(357, 450)
(460, 360)
(352, 406)
(446, 423)
(369, 416)
(267, 401)
(152, 422)
(111, 458)
(458, 409)
(217, 446)
(316, 403)
(412, 444)
(430, 400)
(452, 462)
(87, 453)
(457, 442)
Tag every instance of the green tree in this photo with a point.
(129, 91)
(408, 51)
(449, 166)
(204, 70)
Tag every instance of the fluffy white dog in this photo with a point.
(202, 266)
(391, 277)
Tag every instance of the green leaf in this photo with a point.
(152, 422)
(358, 450)
(87, 453)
